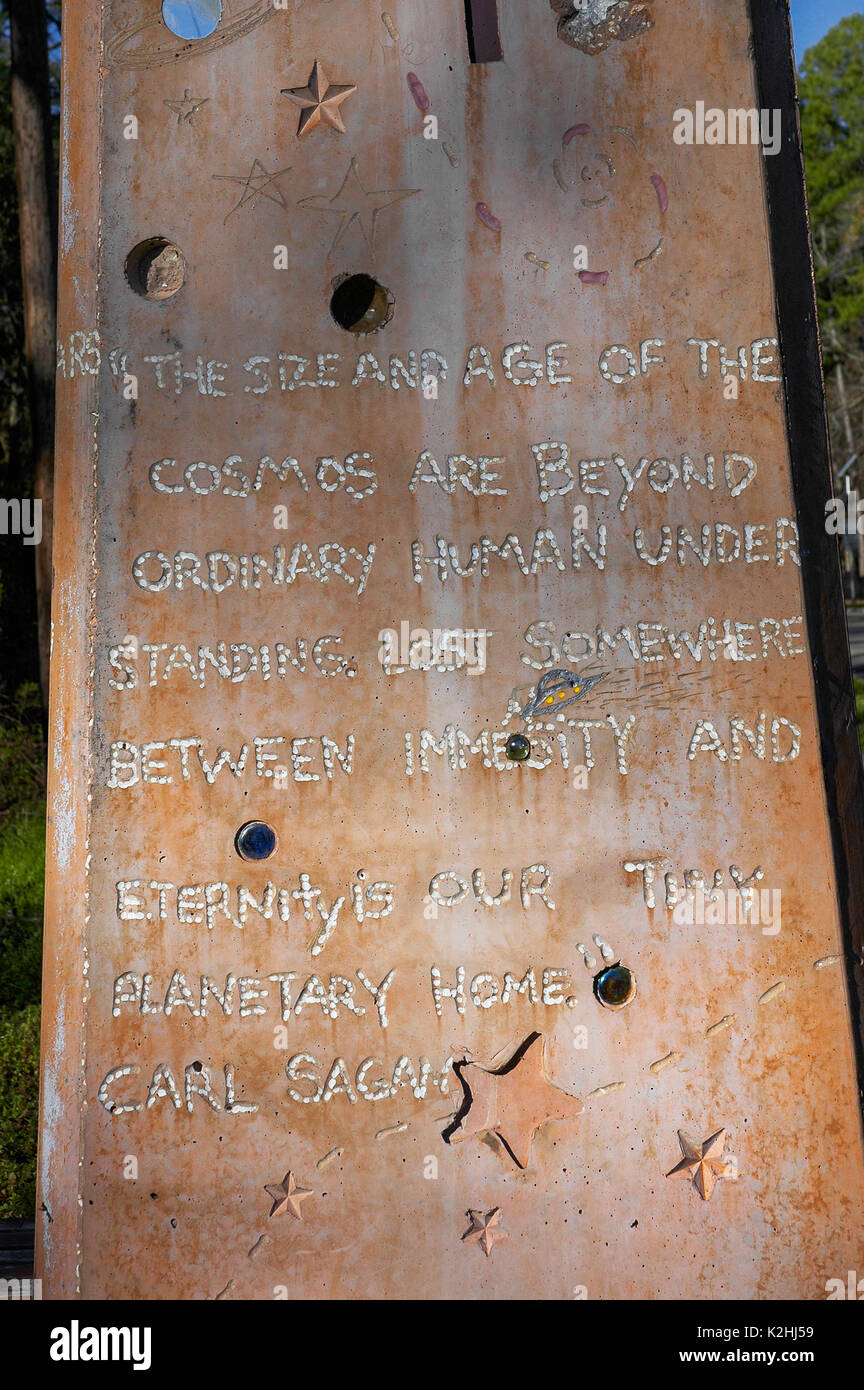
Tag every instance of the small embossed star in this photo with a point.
(188, 108)
(704, 1164)
(485, 1229)
(319, 101)
(287, 1196)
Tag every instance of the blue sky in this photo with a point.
(813, 18)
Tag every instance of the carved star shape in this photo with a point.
(703, 1164)
(255, 186)
(320, 101)
(514, 1101)
(287, 1196)
(354, 203)
(188, 108)
(485, 1229)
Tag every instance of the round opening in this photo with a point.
(255, 840)
(517, 748)
(615, 987)
(360, 305)
(156, 268)
(191, 19)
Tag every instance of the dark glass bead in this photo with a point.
(255, 840)
(518, 748)
(614, 987)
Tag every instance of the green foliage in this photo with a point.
(22, 871)
(22, 848)
(19, 1104)
(831, 89)
(22, 752)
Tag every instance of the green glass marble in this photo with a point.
(518, 748)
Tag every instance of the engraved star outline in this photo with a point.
(287, 1196)
(256, 184)
(187, 107)
(513, 1102)
(703, 1164)
(354, 203)
(319, 101)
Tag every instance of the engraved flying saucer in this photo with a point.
(149, 43)
(557, 689)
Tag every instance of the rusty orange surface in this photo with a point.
(473, 228)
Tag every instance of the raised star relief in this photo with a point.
(512, 1102)
(485, 1229)
(704, 1164)
(319, 101)
(287, 1196)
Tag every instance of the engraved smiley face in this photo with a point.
(624, 201)
(594, 177)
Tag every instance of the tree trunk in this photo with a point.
(37, 213)
(844, 407)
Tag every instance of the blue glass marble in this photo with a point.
(255, 840)
(192, 19)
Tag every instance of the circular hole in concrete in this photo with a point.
(359, 304)
(255, 840)
(156, 268)
(191, 19)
